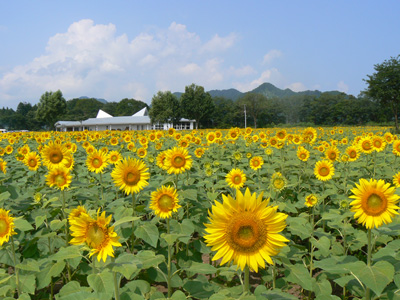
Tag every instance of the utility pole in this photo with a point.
(245, 117)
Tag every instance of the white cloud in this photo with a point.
(342, 87)
(243, 71)
(271, 75)
(217, 43)
(296, 87)
(271, 55)
(91, 59)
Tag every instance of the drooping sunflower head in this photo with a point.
(256, 162)
(6, 226)
(278, 181)
(374, 202)
(311, 200)
(324, 170)
(59, 177)
(236, 178)
(130, 175)
(96, 233)
(177, 160)
(32, 161)
(164, 201)
(245, 230)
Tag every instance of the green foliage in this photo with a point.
(165, 108)
(51, 106)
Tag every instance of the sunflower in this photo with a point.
(53, 154)
(378, 143)
(211, 137)
(256, 162)
(131, 175)
(6, 226)
(161, 160)
(177, 160)
(114, 157)
(324, 170)
(278, 181)
(396, 179)
(269, 151)
(233, 134)
(311, 200)
(309, 135)
(3, 166)
(365, 145)
(199, 152)
(353, 153)
(9, 149)
(76, 213)
(97, 161)
(374, 202)
(96, 233)
(236, 178)
(164, 201)
(332, 153)
(32, 161)
(281, 135)
(303, 154)
(396, 147)
(59, 177)
(245, 230)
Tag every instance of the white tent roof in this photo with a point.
(103, 114)
(141, 113)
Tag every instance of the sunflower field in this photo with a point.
(282, 213)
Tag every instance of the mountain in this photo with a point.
(98, 99)
(229, 94)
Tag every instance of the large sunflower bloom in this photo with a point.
(6, 226)
(32, 161)
(97, 234)
(53, 154)
(59, 177)
(177, 160)
(324, 170)
(164, 201)
(236, 178)
(97, 161)
(365, 145)
(131, 175)
(245, 230)
(374, 202)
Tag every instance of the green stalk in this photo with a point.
(101, 188)
(116, 286)
(64, 216)
(94, 270)
(15, 266)
(367, 290)
(274, 276)
(247, 279)
(133, 222)
(169, 263)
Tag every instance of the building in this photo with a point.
(104, 121)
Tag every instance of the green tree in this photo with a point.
(255, 104)
(51, 106)
(384, 85)
(196, 104)
(128, 107)
(165, 108)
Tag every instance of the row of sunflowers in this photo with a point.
(283, 213)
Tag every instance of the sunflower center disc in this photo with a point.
(166, 203)
(332, 155)
(96, 236)
(56, 157)
(324, 171)
(179, 161)
(246, 233)
(237, 179)
(376, 204)
(60, 180)
(377, 144)
(32, 162)
(96, 163)
(3, 227)
(132, 178)
(279, 183)
(366, 145)
(353, 154)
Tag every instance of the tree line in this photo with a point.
(378, 104)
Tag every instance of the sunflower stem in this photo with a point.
(101, 188)
(169, 263)
(367, 290)
(133, 222)
(246, 279)
(15, 266)
(94, 265)
(274, 276)
(116, 286)
(66, 233)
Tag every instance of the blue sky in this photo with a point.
(132, 49)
